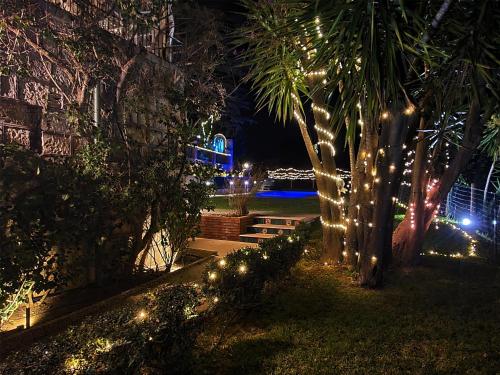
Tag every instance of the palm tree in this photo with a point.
(383, 69)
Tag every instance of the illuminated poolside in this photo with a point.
(286, 194)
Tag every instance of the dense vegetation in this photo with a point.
(157, 330)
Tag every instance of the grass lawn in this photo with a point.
(443, 317)
(285, 206)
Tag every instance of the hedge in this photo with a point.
(239, 279)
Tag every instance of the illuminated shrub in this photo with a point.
(238, 280)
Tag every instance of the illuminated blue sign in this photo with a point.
(219, 143)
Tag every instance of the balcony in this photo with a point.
(154, 38)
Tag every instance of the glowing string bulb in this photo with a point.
(409, 110)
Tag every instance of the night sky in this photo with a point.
(262, 139)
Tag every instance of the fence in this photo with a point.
(473, 208)
(466, 204)
(154, 38)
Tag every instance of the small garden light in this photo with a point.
(242, 268)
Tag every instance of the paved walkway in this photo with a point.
(221, 247)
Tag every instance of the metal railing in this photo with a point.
(154, 37)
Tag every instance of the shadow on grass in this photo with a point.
(443, 317)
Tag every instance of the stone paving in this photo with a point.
(221, 247)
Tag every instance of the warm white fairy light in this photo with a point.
(242, 269)
(337, 202)
(327, 224)
(316, 73)
(412, 215)
(324, 132)
(329, 145)
(328, 175)
(323, 111)
(298, 117)
(305, 174)
(409, 110)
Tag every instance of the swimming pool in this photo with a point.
(287, 194)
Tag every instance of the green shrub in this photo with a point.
(238, 280)
(156, 333)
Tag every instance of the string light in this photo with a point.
(327, 224)
(317, 108)
(328, 145)
(324, 132)
(316, 73)
(305, 174)
(338, 202)
(409, 110)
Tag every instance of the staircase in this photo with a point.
(265, 227)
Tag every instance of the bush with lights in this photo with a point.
(157, 332)
(239, 279)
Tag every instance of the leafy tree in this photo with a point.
(131, 178)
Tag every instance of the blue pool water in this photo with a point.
(285, 194)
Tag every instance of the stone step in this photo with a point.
(271, 229)
(279, 220)
(256, 237)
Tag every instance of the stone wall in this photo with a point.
(49, 133)
(20, 123)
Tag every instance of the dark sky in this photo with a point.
(263, 140)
